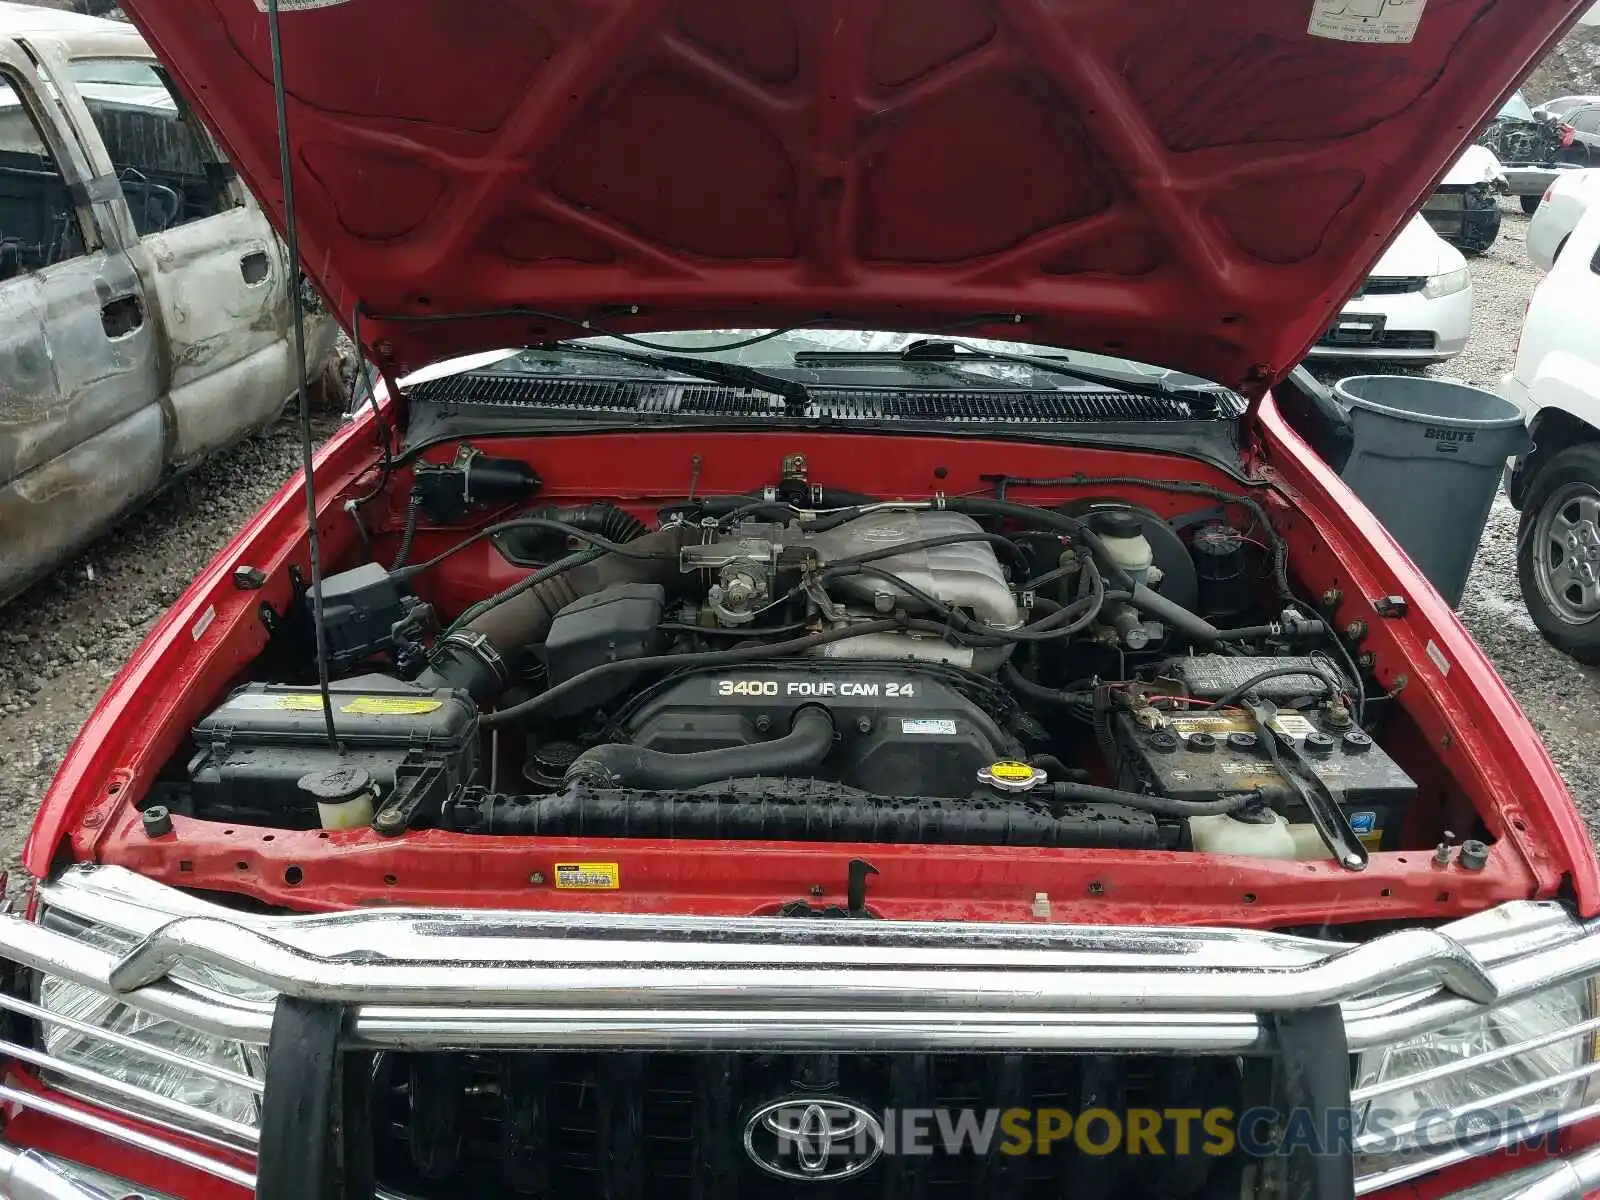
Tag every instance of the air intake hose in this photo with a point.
(610, 522)
(799, 751)
(483, 656)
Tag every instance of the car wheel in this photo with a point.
(1558, 551)
(1480, 228)
(1530, 204)
(1560, 246)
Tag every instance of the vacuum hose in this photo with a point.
(797, 752)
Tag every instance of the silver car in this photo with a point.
(144, 298)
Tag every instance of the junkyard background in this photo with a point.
(61, 642)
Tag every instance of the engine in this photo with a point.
(965, 671)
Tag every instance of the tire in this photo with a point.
(1530, 204)
(1562, 245)
(1480, 229)
(1567, 613)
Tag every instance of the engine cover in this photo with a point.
(901, 731)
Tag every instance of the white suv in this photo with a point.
(1556, 485)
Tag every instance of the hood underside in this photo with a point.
(1195, 185)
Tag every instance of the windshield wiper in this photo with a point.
(795, 395)
(942, 352)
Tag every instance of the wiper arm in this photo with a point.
(795, 394)
(936, 351)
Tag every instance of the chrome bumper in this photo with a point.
(416, 979)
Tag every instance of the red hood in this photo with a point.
(1199, 185)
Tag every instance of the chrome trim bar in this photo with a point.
(777, 972)
(1446, 1070)
(1575, 1178)
(144, 1049)
(1509, 1096)
(416, 978)
(1414, 1168)
(122, 1133)
(127, 1092)
(458, 979)
(25, 1175)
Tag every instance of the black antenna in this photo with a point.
(297, 310)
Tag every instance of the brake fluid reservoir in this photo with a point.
(1271, 838)
(1122, 532)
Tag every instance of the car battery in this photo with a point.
(1202, 756)
(253, 751)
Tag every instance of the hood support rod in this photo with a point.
(298, 314)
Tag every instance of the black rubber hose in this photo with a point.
(607, 520)
(1161, 806)
(408, 533)
(798, 752)
(1017, 682)
(703, 658)
(1234, 695)
(1151, 603)
(1279, 548)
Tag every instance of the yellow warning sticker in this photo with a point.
(391, 706)
(1019, 772)
(299, 702)
(588, 877)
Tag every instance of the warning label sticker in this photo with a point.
(391, 706)
(1289, 724)
(1375, 22)
(588, 877)
(292, 702)
(299, 5)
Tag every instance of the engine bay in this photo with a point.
(803, 664)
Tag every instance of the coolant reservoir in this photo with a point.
(1276, 838)
(1122, 531)
(1224, 835)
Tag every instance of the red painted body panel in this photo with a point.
(1465, 714)
(1198, 185)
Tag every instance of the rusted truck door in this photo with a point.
(82, 437)
(210, 260)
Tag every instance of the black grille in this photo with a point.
(1408, 339)
(1389, 339)
(1392, 285)
(486, 394)
(671, 1124)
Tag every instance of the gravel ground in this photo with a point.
(62, 641)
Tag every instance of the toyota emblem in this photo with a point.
(813, 1139)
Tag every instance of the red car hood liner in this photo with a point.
(1195, 184)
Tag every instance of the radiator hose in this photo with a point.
(799, 751)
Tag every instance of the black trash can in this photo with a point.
(1427, 460)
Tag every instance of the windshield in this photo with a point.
(822, 355)
(1517, 108)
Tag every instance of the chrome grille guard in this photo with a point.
(421, 979)
(415, 978)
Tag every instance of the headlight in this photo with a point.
(1447, 284)
(156, 1072)
(1420, 1096)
